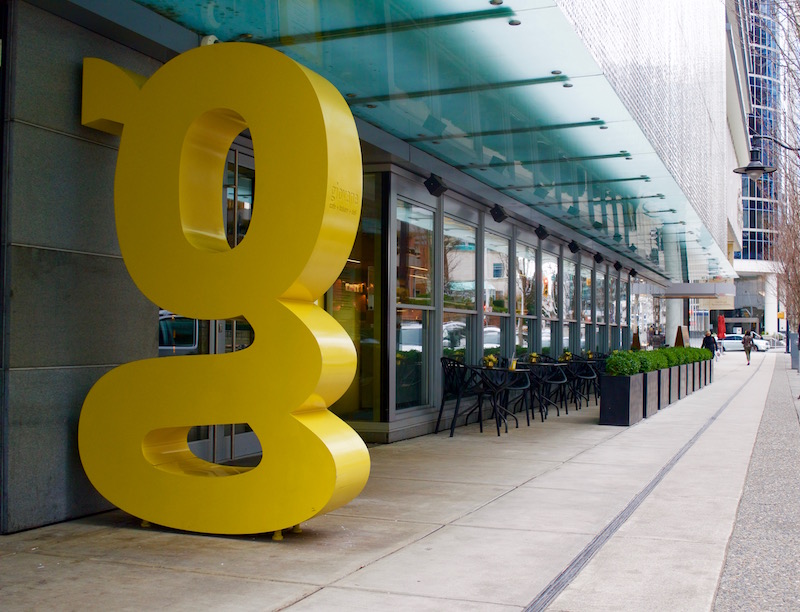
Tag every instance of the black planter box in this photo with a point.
(673, 384)
(663, 388)
(710, 378)
(621, 399)
(698, 375)
(649, 393)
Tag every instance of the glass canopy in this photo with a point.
(503, 91)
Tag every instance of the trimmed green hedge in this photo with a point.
(628, 363)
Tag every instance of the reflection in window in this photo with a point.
(456, 336)
(354, 300)
(569, 293)
(586, 294)
(526, 298)
(459, 265)
(411, 357)
(546, 335)
(612, 300)
(623, 303)
(493, 335)
(496, 274)
(526, 280)
(565, 332)
(414, 254)
(549, 286)
(600, 297)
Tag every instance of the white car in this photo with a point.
(733, 342)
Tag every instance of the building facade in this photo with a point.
(756, 305)
(525, 165)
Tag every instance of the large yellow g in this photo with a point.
(176, 128)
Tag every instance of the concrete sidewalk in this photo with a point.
(561, 515)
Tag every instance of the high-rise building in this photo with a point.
(756, 303)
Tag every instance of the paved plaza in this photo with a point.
(696, 508)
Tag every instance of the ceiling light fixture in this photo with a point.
(498, 214)
(435, 185)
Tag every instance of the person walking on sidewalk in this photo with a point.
(747, 342)
(710, 343)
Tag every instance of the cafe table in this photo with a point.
(498, 384)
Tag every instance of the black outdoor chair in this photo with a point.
(459, 381)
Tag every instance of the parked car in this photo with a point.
(733, 342)
(177, 335)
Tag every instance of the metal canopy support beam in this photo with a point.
(686, 290)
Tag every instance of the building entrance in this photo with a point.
(235, 442)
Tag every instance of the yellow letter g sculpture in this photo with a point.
(176, 129)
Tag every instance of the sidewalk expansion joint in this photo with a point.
(562, 581)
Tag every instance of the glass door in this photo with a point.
(234, 442)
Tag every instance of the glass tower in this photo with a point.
(760, 198)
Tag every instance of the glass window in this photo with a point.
(411, 358)
(623, 302)
(586, 294)
(496, 287)
(549, 286)
(493, 344)
(566, 336)
(354, 300)
(612, 300)
(414, 255)
(526, 280)
(459, 265)
(546, 335)
(569, 292)
(456, 336)
(600, 297)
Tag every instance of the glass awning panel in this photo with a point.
(503, 91)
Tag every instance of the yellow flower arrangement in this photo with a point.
(565, 356)
(490, 361)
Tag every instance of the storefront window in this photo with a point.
(411, 357)
(612, 300)
(569, 293)
(496, 274)
(526, 280)
(526, 298)
(414, 254)
(354, 300)
(457, 336)
(549, 286)
(493, 336)
(586, 294)
(459, 265)
(600, 297)
(623, 303)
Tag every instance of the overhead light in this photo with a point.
(755, 169)
(598, 258)
(617, 266)
(498, 214)
(541, 232)
(574, 247)
(435, 185)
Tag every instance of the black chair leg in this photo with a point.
(455, 416)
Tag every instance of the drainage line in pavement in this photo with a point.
(562, 581)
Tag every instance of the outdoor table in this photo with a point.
(498, 382)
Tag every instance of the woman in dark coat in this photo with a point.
(747, 342)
